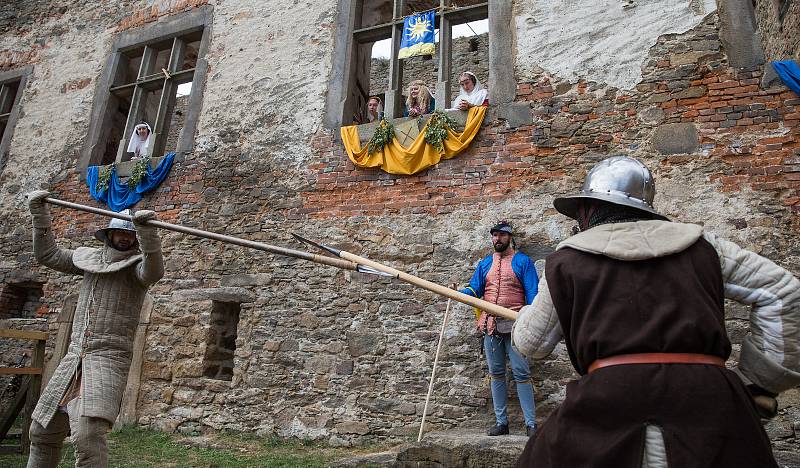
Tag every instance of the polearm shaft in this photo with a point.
(335, 262)
(493, 309)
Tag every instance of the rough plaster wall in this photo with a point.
(552, 34)
(44, 145)
(780, 38)
(270, 61)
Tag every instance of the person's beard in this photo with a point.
(123, 246)
(500, 246)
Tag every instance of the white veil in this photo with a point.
(138, 145)
(476, 97)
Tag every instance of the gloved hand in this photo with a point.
(39, 210)
(35, 198)
(766, 404)
(141, 217)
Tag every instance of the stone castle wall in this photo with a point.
(342, 357)
(780, 36)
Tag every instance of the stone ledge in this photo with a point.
(229, 294)
(452, 448)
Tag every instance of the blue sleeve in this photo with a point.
(478, 281)
(526, 273)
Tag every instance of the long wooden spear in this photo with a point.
(325, 260)
(493, 309)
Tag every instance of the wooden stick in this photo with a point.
(213, 236)
(493, 309)
(457, 296)
(433, 372)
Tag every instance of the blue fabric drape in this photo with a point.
(118, 195)
(789, 72)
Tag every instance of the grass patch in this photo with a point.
(134, 448)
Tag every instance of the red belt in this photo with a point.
(657, 358)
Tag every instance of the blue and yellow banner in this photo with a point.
(418, 35)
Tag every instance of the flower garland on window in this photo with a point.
(383, 136)
(105, 177)
(138, 172)
(436, 131)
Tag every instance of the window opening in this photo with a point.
(221, 340)
(146, 90)
(8, 97)
(377, 32)
(20, 300)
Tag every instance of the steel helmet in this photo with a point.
(121, 224)
(620, 180)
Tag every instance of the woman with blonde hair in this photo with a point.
(419, 100)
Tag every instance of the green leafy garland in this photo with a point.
(383, 136)
(436, 131)
(105, 177)
(138, 172)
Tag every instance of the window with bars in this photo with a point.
(12, 83)
(155, 75)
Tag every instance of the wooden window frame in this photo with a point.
(339, 106)
(19, 79)
(173, 29)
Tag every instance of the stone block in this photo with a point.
(353, 427)
(770, 77)
(361, 343)
(739, 34)
(675, 138)
(651, 115)
(225, 294)
(240, 280)
(516, 114)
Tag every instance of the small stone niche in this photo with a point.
(20, 300)
(221, 340)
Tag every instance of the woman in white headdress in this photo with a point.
(472, 92)
(140, 140)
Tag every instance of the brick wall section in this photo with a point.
(756, 132)
(157, 10)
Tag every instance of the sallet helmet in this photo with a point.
(620, 180)
(121, 224)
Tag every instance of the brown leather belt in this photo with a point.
(657, 358)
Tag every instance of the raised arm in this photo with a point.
(45, 248)
(151, 268)
(770, 356)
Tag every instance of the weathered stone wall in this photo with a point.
(342, 357)
(780, 37)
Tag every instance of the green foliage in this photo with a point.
(134, 448)
(105, 177)
(383, 136)
(436, 131)
(138, 172)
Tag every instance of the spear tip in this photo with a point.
(316, 244)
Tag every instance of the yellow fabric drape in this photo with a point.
(397, 159)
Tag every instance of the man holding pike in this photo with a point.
(506, 278)
(91, 377)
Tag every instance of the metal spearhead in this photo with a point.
(360, 268)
